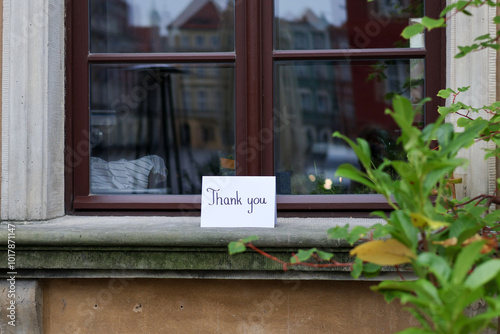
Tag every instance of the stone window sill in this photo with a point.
(168, 247)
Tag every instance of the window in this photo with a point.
(199, 41)
(322, 102)
(305, 100)
(162, 102)
(202, 100)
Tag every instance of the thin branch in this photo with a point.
(331, 264)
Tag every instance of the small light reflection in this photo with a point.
(328, 184)
(312, 178)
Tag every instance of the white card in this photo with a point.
(238, 201)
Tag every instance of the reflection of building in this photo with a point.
(342, 94)
(182, 113)
(344, 89)
(200, 27)
(315, 83)
(203, 97)
(112, 31)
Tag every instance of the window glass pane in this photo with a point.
(344, 24)
(157, 129)
(313, 99)
(161, 26)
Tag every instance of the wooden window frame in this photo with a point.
(254, 109)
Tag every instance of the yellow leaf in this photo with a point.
(419, 220)
(385, 253)
(490, 243)
(447, 243)
(474, 238)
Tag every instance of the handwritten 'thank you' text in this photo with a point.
(234, 200)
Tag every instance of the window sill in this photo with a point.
(168, 247)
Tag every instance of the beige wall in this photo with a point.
(216, 306)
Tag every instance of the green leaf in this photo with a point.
(324, 255)
(424, 290)
(379, 230)
(464, 139)
(380, 214)
(464, 261)
(359, 149)
(412, 30)
(351, 172)
(420, 318)
(436, 264)
(483, 274)
(496, 20)
(437, 171)
(357, 268)
(486, 36)
(236, 247)
(371, 270)
(462, 4)
(463, 89)
(365, 148)
(461, 298)
(445, 110)
(404, 230)
(432, 23)
(463, 122)
(358, 232)
(303, 255)
(249, 239)
(447, 9)
(339, 232)
(445, 93)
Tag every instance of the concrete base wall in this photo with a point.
(216, 306)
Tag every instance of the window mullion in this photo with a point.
(253, 79)
(267, 132)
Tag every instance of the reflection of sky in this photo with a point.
(332, 10)
(168, 10)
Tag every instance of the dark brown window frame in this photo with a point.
(253, 58)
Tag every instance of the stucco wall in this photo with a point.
(217, 306)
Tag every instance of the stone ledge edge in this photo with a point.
(78, 231)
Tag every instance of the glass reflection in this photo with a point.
(313, 99)
(344, 24)
(138, 26)
(157, 129)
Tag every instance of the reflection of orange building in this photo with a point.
(204, 109)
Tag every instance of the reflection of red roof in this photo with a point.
(146, 38)
(199, 14)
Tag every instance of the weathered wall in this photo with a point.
(216, 306)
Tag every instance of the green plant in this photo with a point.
(450, 244)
